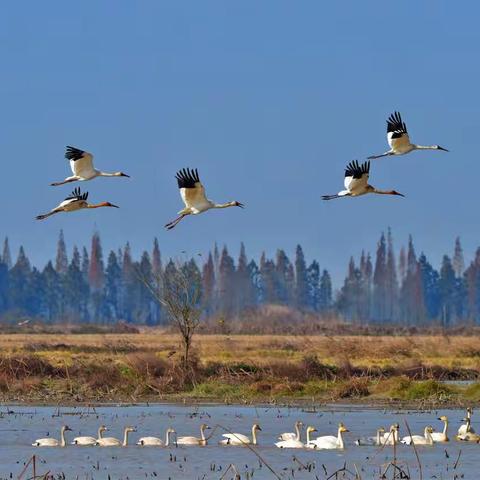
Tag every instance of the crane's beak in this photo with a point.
(241, 205)
(441, 148)
(125, 175)
(112, 205)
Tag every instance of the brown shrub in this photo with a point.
(353, 388)
(146, 364)
(26, 365)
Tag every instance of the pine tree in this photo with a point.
(128, 285)
(145, 310)
(244, 287)
(208, 286)
(85, 264)
(61, 261)
(447, 286)
(6, 256)
(226, 282)
(325, 291)
(391, 287)
(76, 290)
(96, 276)
(19, 277)
(51, 300)
(113, 277)
(157, 273)
(413, 307)
(402, 265)
(254, 274)
(282, 265)
(313, 274)
(4, 293)
(301, 280)
(458, 261)
(430, 287)
(380, 282)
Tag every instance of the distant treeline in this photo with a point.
(87, 288)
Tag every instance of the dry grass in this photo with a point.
(88, 367)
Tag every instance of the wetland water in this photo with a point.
(20, 426)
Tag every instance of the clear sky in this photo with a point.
(269, 100)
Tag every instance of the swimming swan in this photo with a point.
(53, 442)
(114, 442)
(294, 443)
(372, 441)
(391, 437)
(195, 440)
(87, 441)
(467, 427)
(441, 437)
(155, 441)
(418, 439)
(329, 442)
(291, 435)
(240, 439)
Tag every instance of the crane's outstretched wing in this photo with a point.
(81, 162)
(356, 176)
(191, 190)
(397, 135)
(77, 195)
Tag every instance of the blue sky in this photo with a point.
(269, 100)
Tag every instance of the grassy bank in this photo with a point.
(239, 368)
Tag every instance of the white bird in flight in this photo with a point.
(193, 196)
(398, 139)
(356, 182)
(76, 201)
(81, 163)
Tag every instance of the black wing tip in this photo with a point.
(356, 170)
(187, 177)
(73, 153)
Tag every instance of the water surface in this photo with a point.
(20, 426)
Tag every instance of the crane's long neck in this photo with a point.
(62, 437)
(224, 205)
(384, 192)
(125, 437)
(340, 439)
(108, 174)
(97, 205)
(424, 147)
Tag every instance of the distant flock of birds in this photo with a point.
(286, 440)
(193, 193)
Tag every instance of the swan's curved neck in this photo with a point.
(125, 437)
(167, 438)
(340, 439)
(445, 427)
(429, 438)
(100, 432)
(308, 436)
(378, 436)
(254, 435)
(297, 430)
(62, 437)
(202, 433)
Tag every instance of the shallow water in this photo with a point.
(22, 425)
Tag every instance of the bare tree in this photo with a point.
(180, 295)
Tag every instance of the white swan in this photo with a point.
(296, 443)
(53, 442)
(236, 439)
(426, 439)
(329, 442)
(371, 441)
(195, 440)
(155, 441)
(291, 435)
(441, 437)
(391, 437)
(466, 427)
(88, 441)
(115, 442)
